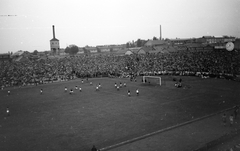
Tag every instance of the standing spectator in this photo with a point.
(224, 119)
(236, 109)
(231, 119)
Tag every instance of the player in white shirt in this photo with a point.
(9, 92)
(99, 85)
(137, 92)
(231, 119)
(76, 87)
(120, 84)
(97, 88)
(65, 89)
(8, 112)
(71, 91)
(41, 91)
(118, 88)
(124, 84)
(80, 89)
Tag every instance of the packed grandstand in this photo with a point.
(215, 63)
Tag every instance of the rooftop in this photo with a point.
(54, 39)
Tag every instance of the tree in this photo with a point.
(46, 52)
(127, 45)
(111, 49)
(67, 50)
(139, 43)
(155, 38)
(143, 42)
(86, 51)
(72, 49)
(98, 50)
(35, 52)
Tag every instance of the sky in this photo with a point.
(104, 22)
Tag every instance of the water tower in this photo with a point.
(54, 43)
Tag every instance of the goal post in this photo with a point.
(152, 80)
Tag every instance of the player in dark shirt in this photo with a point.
(129, 94)
(224, 118)
(94, 148)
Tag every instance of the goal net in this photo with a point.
(153, 80)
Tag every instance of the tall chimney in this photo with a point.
(160, 33)
(53, 32)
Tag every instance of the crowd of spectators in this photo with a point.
(217, 62)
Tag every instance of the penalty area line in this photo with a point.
(162, 130)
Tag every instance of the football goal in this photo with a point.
(154, 80)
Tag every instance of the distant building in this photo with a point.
(54, 44)
(91, 49)
(134, 49)
(215, 40)
(147, 50)
(182, 41)
(5, 57)
(18, 53)
(62, 52)
(121, 52)
(117, 47)
(153, 43)
(237, 44)
(104, 48)
(80, 51)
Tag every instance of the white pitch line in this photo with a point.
(161, 131)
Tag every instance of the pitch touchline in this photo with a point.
(161, 131)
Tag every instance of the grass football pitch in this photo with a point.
(57, 120)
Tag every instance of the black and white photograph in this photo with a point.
(119, 75)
